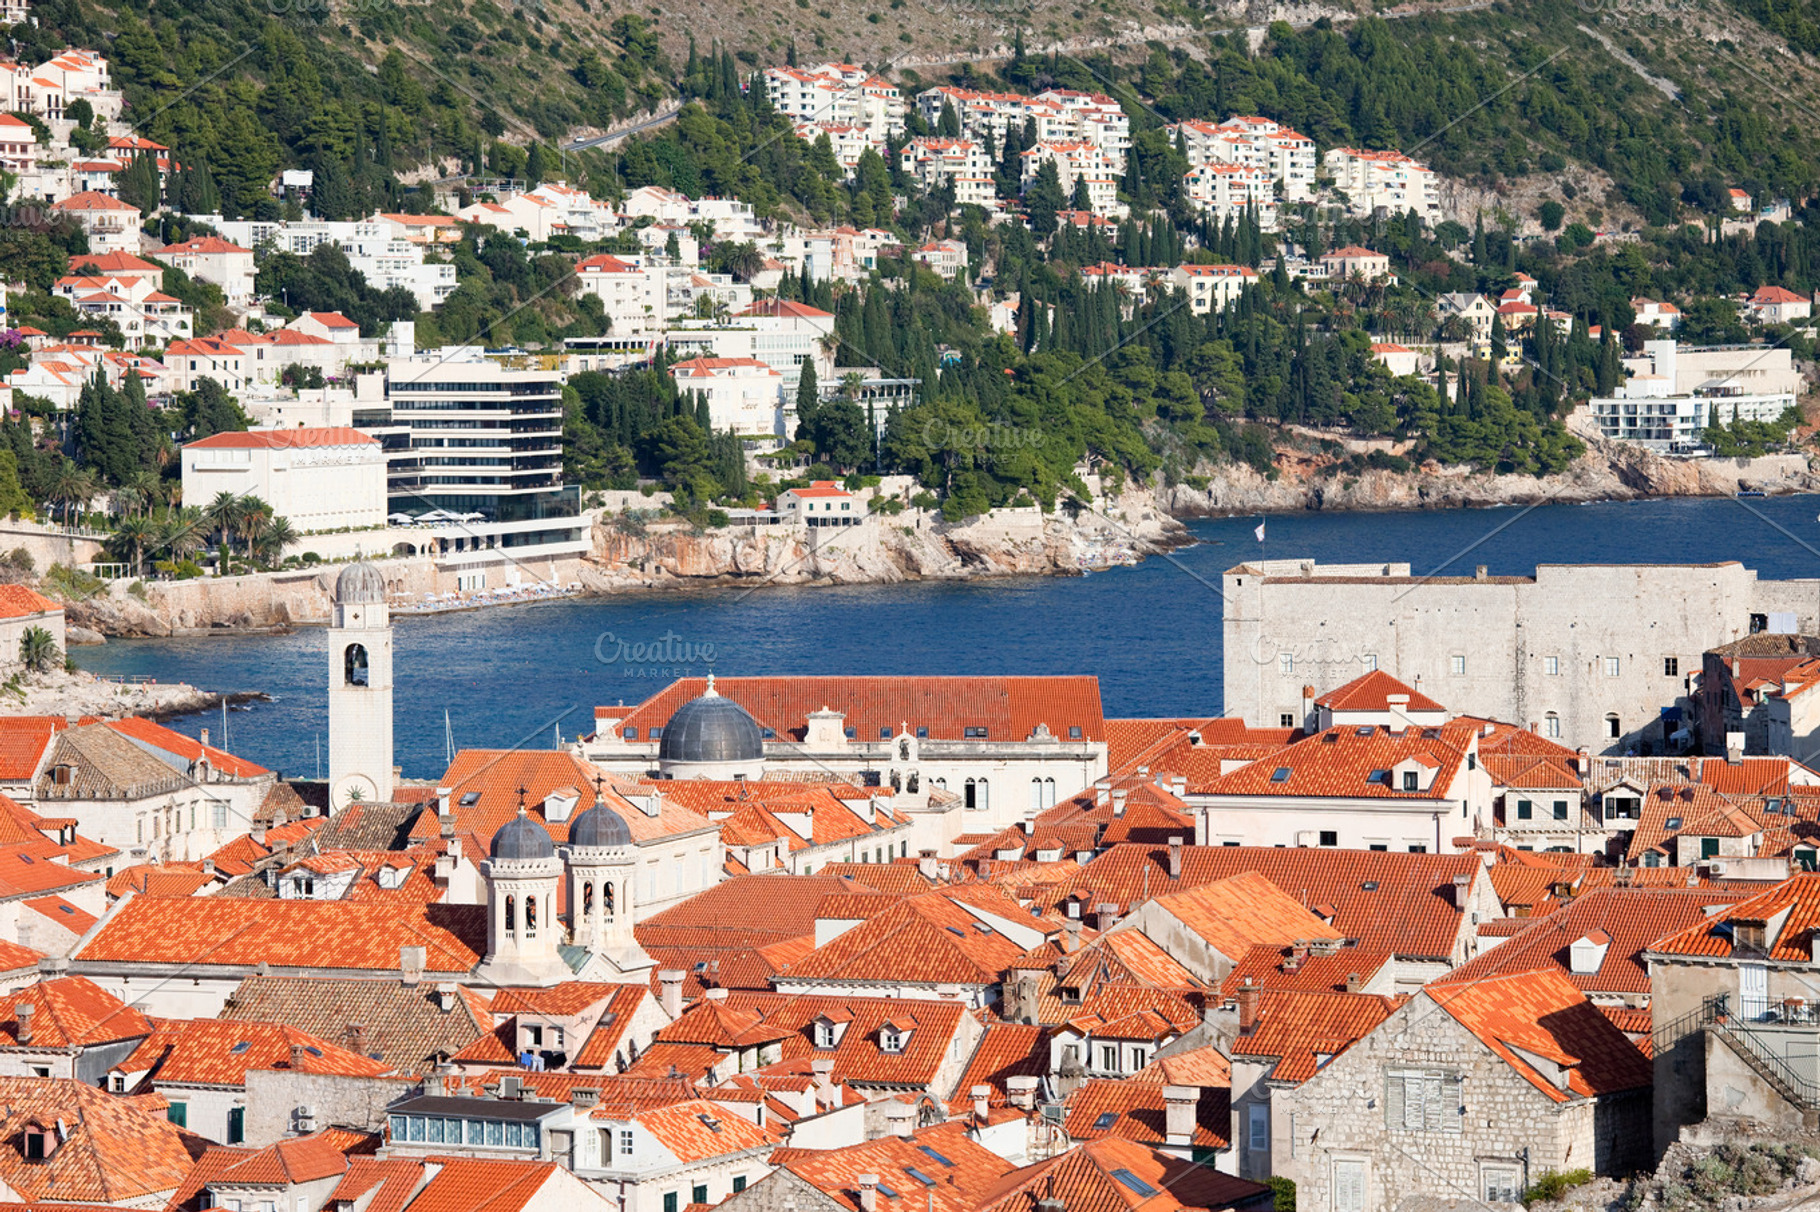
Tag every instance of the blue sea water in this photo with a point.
(522, 675)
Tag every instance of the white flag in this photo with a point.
(1260, 532)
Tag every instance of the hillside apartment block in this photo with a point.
(1596, 655)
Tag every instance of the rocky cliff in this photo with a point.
(1609, 471)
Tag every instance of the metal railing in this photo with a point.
(1751, 1045)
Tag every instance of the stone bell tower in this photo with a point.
(360, 688)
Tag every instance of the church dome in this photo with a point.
(599, 826)
(523, 838)
(360, 583)
(711, 729)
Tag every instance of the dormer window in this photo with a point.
(828, 1031)
(37, 1141)
(892, 1039)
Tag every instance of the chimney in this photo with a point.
(1118, 801)
(1179, 785)
(900, 1118)
(411, 962)
(1307, 704)
(1248, 1007)
(208, 866)
(1178, 1115)
(1352, 982)
(1175, 858)
(1584, 758)
(1071, 935)
(925, 864)
(435, 1082)
(1101, 788)
(24, 1013)
(205, 736)
(1734, 666)
(1022, 1091)
(1461, 887)
(258, 833)
(442, 802)
(671, 982)
(446, 997)
(715, 994)
(355, 1039)
(1734, 748)
(1108, 915)
(1478, 574)
(982, 1103)
(868, 1193)
(297, 1058)
(825, 1094)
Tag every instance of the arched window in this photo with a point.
(511, 914)
(587, 899)
(356, 661)
(903, 751)
(607, 892)
(1551, 725)
(530, 915)
(1048, 793)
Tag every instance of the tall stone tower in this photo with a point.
(602, 860)
(524, 935)
(360, 688)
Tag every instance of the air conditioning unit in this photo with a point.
(307, 1111)
(1715, 867)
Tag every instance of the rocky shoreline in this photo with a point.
(75, 694)
(630, 556)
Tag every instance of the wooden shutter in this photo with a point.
(1450, 1105)
(1393, 1100)
(1348, 1186)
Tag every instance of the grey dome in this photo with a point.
(360, 583)
(711, 729)
(523, 838)
(599, 826)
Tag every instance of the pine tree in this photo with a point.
(139, 184)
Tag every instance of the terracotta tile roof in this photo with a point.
(1299, 1029)
(405, 1026)
(689, 1061)
(1356, 762)
(465, 1184)
(617, 1093)
(973, 1172)
(1375, 691)
(169, 879)
(1132, 1109)
(392, 1181)
(104, 765)
(285, 439)
(742, 912)
(35, 867)
(1206, 1066)
(1005, 1050)
(756, 813)
(896, 879)
(286, 1163)
(697, 1131)
(1093, 1178)
(1242, 911)
(215, 1052)
(1693, 809)
(1631, 919)
(857, 1056)
(1386, 901)
(927, 939)
(62, 912)
(21, 601)
(118, 1150)
(208, 932)
(70, 1012)
(24, 741)
(484, 783)
(1543, 1015)
(1796, 901)
(1009, 708)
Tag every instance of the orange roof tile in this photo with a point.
(70, 1012)
(1543, 1015)
(1302, 1031)
(121, 1151)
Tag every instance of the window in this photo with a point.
(699, 1194)
(1551, 666)
(1709, 847)
(1560, 810)
(236, 1125)
(1671, 667)
(1525, 810)
(1422, 1100)
(1257, 1127)
(1502, 1184)
(1612, 727)
(1551, 725)
(354, 662)
(739, 1183)
(625, 1142)
(670, 1201)
(1611, 667)
(1805, 859)
(1286, 663)
(1286, 720)
(1280, 775)
(1410, 781)
(1074, 732)
(974, 733)
(1330, 837)
(1348, 1185)
(1456, 664)
(1109, 1058)
(1418, 848)
(220, 818)
(179, 1114)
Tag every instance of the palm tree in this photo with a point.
(133, 533)
(279, 535)
(37, 649)
(255, 518)
(183, 533)
(223, 515)
(149, 488)
(70, 485)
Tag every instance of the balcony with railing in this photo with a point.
(1779, 1040)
